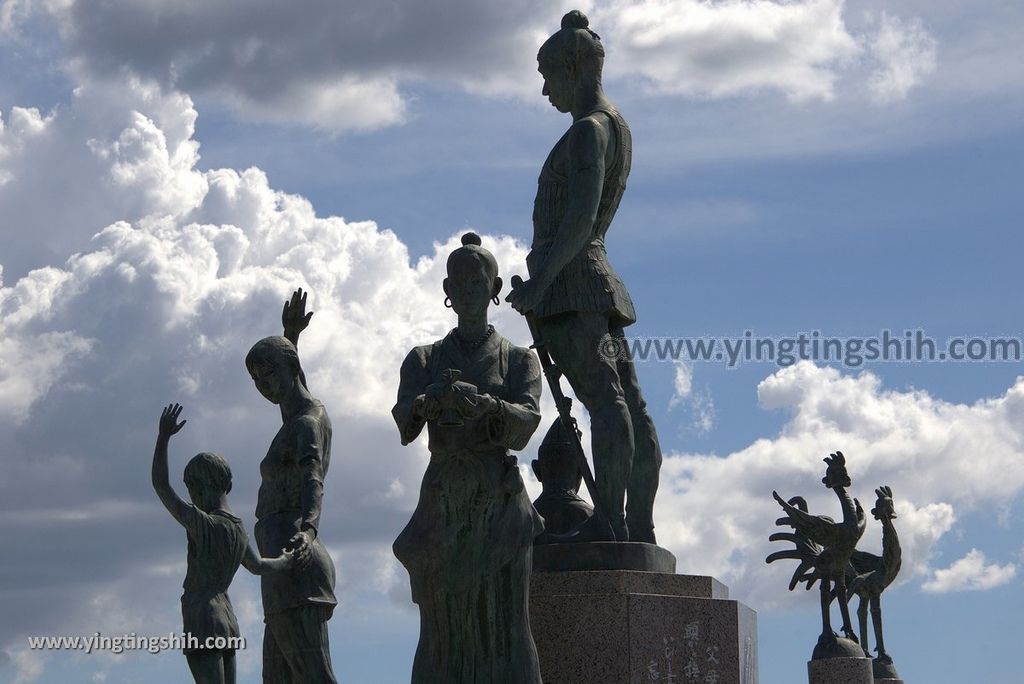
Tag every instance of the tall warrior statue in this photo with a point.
(575, 297)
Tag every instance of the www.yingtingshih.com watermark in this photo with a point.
(175, 641)
(909, 346)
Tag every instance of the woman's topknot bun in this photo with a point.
(471, 249)
(575, 20)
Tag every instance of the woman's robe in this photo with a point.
(468, 546)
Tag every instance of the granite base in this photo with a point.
(603, 556)
(626, 627)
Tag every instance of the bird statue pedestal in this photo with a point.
(885, 671)
(616, 626)
(829, 647)
(840, 671)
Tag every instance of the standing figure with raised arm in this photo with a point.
(217, 545)
(576, 297)
(296, 604)
(468, 546)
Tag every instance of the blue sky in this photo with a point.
(823, 165)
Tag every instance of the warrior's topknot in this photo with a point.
(471, 239)
(575, 20)
(575, 44)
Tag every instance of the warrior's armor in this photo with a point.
(587, 282)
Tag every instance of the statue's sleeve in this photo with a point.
(310, 450)
(414, 378)
(197, 523)
(199, 527)
(519, 415)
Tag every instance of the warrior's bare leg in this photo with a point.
(644, 475)
(572, 340)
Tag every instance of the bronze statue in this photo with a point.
(217, 545)
(468, 546)
(557, 470)
(869, 575)
(574, 294)
(823, 548)
(296, 604)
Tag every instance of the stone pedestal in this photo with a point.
(885, 671)
(628, 626)
(840, 671)
(603, 556)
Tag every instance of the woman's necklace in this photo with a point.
(475, 344)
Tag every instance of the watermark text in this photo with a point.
(908, 346)
(174, 641)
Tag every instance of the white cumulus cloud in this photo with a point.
(735, 47)
(116, 150)
(970, 573)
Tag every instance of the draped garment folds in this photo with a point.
(588, 282)
(468, 546)
(289, 500)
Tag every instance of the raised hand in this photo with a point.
(169, 424)
(294, 317)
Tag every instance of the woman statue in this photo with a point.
(297, 603)
(468, 546)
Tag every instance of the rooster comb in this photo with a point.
(836, 459)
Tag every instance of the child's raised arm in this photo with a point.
(169, 425)
(261, 566)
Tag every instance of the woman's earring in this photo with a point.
(447, 302)
(497, 302)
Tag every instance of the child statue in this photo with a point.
(556, 469)
(217, 545)
(468, 546)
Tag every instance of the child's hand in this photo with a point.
(169, 424)
(285, 561)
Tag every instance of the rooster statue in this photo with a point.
(824, 548)
(868, 576)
